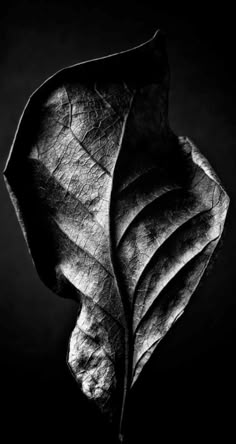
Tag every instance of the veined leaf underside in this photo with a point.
(118, 212)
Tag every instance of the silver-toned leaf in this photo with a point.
(118, 212)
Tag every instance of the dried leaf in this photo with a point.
(118, 212)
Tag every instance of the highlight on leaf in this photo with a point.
(118, 212)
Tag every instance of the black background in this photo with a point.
(187, 392)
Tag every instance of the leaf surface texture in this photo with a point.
(118, 212)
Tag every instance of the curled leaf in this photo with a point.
(118, 213)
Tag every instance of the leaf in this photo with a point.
(118, 213)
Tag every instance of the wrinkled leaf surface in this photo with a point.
(119, 214)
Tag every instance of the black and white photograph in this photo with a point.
(117, 236)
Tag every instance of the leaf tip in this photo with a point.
(158, 39)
